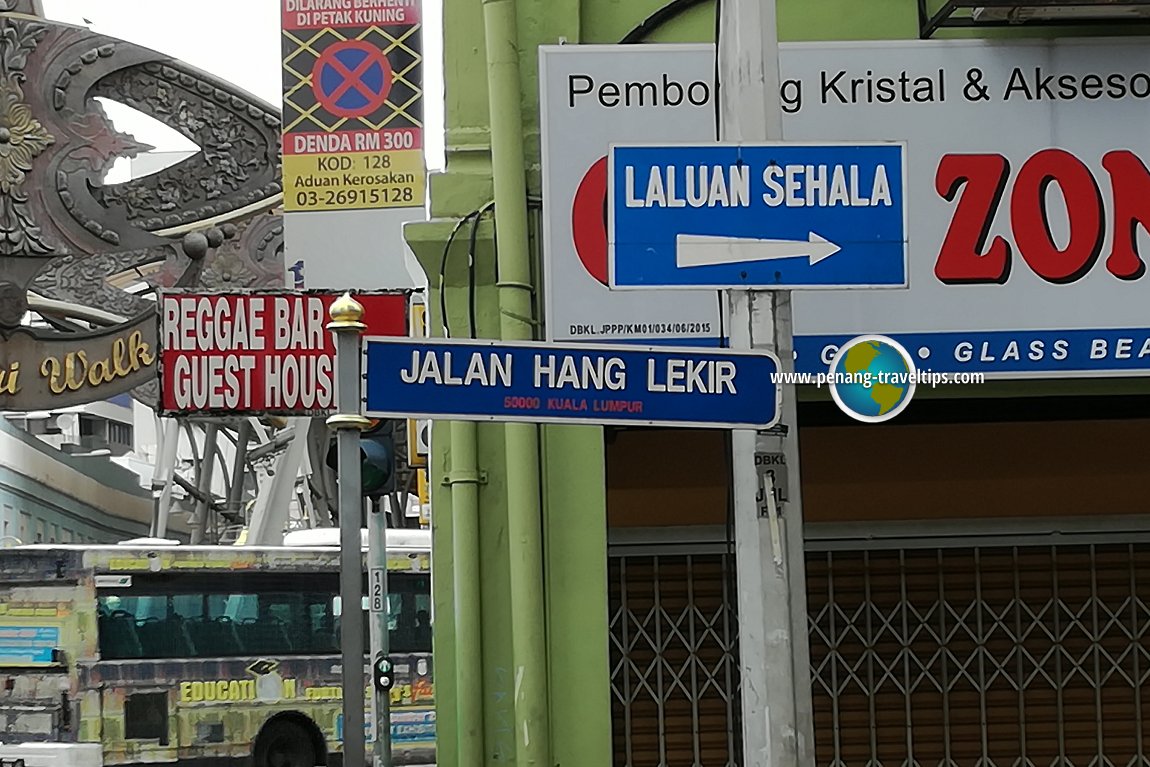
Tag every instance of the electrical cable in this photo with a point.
(532, 202)
(715, 90)
(471, 273)
(495, 239)
(471, 264)
(537, 301)
(443, 271)
(724, 342)
(533, 235)
(475, 217)
(658, 19)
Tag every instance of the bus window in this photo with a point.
(242, 614)
(197, 616)
(408, 613)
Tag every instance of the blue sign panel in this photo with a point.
(408, 726)
(757, 216)
(544, 383)
(1002, 353)
(28, 645)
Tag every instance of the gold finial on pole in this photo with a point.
(346, 325)
(346, 318)
(346, 314)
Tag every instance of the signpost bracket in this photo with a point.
(515, 315)
(460, 477)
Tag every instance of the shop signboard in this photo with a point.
(251, 353)
(1027, 222)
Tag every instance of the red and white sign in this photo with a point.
(584, 109)
(267, 352)
(1028, 187)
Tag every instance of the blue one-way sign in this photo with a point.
(760, 216)
(544, 383)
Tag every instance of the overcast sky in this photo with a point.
(237, 40)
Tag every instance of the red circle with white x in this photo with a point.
(351, 78)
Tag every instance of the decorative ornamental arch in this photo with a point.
(70, 243)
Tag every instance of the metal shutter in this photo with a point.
(987, 656)
(673, 668)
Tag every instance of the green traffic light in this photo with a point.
(377, 465)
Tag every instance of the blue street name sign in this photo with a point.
(543, 383)
(761, 216)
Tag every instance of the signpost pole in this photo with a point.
(346, 322)
(380, 638)
(769, 553)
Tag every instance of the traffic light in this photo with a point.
(381, 673)
(377, 463)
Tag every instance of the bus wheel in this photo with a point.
(284, 743)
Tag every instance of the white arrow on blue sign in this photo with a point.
(757, 216)
(476, 380)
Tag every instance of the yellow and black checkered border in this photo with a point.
(301, 118)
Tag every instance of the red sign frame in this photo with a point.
(372, 57)
(258, 352)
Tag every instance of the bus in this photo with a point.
(207, 655)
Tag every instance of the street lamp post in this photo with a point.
(346, 323)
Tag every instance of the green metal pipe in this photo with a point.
(528, 624)
(508, 171)
(463, 478)
(524, 511)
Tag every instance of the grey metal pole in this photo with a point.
(239, 465)
(380, 635)
(207, 468)
(346, 315)
(165, 473)
(773, 662)
(794, 539)
(270, 513)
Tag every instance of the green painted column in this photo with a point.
(471, 518)
(575, 546)
(463, 658)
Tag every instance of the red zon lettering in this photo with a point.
(978, 182)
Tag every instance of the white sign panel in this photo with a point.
(378, 587)
(585, 106)
(1029, 194)
(1029, 199)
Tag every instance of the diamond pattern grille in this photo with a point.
(673, 667)
(1009, 656)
